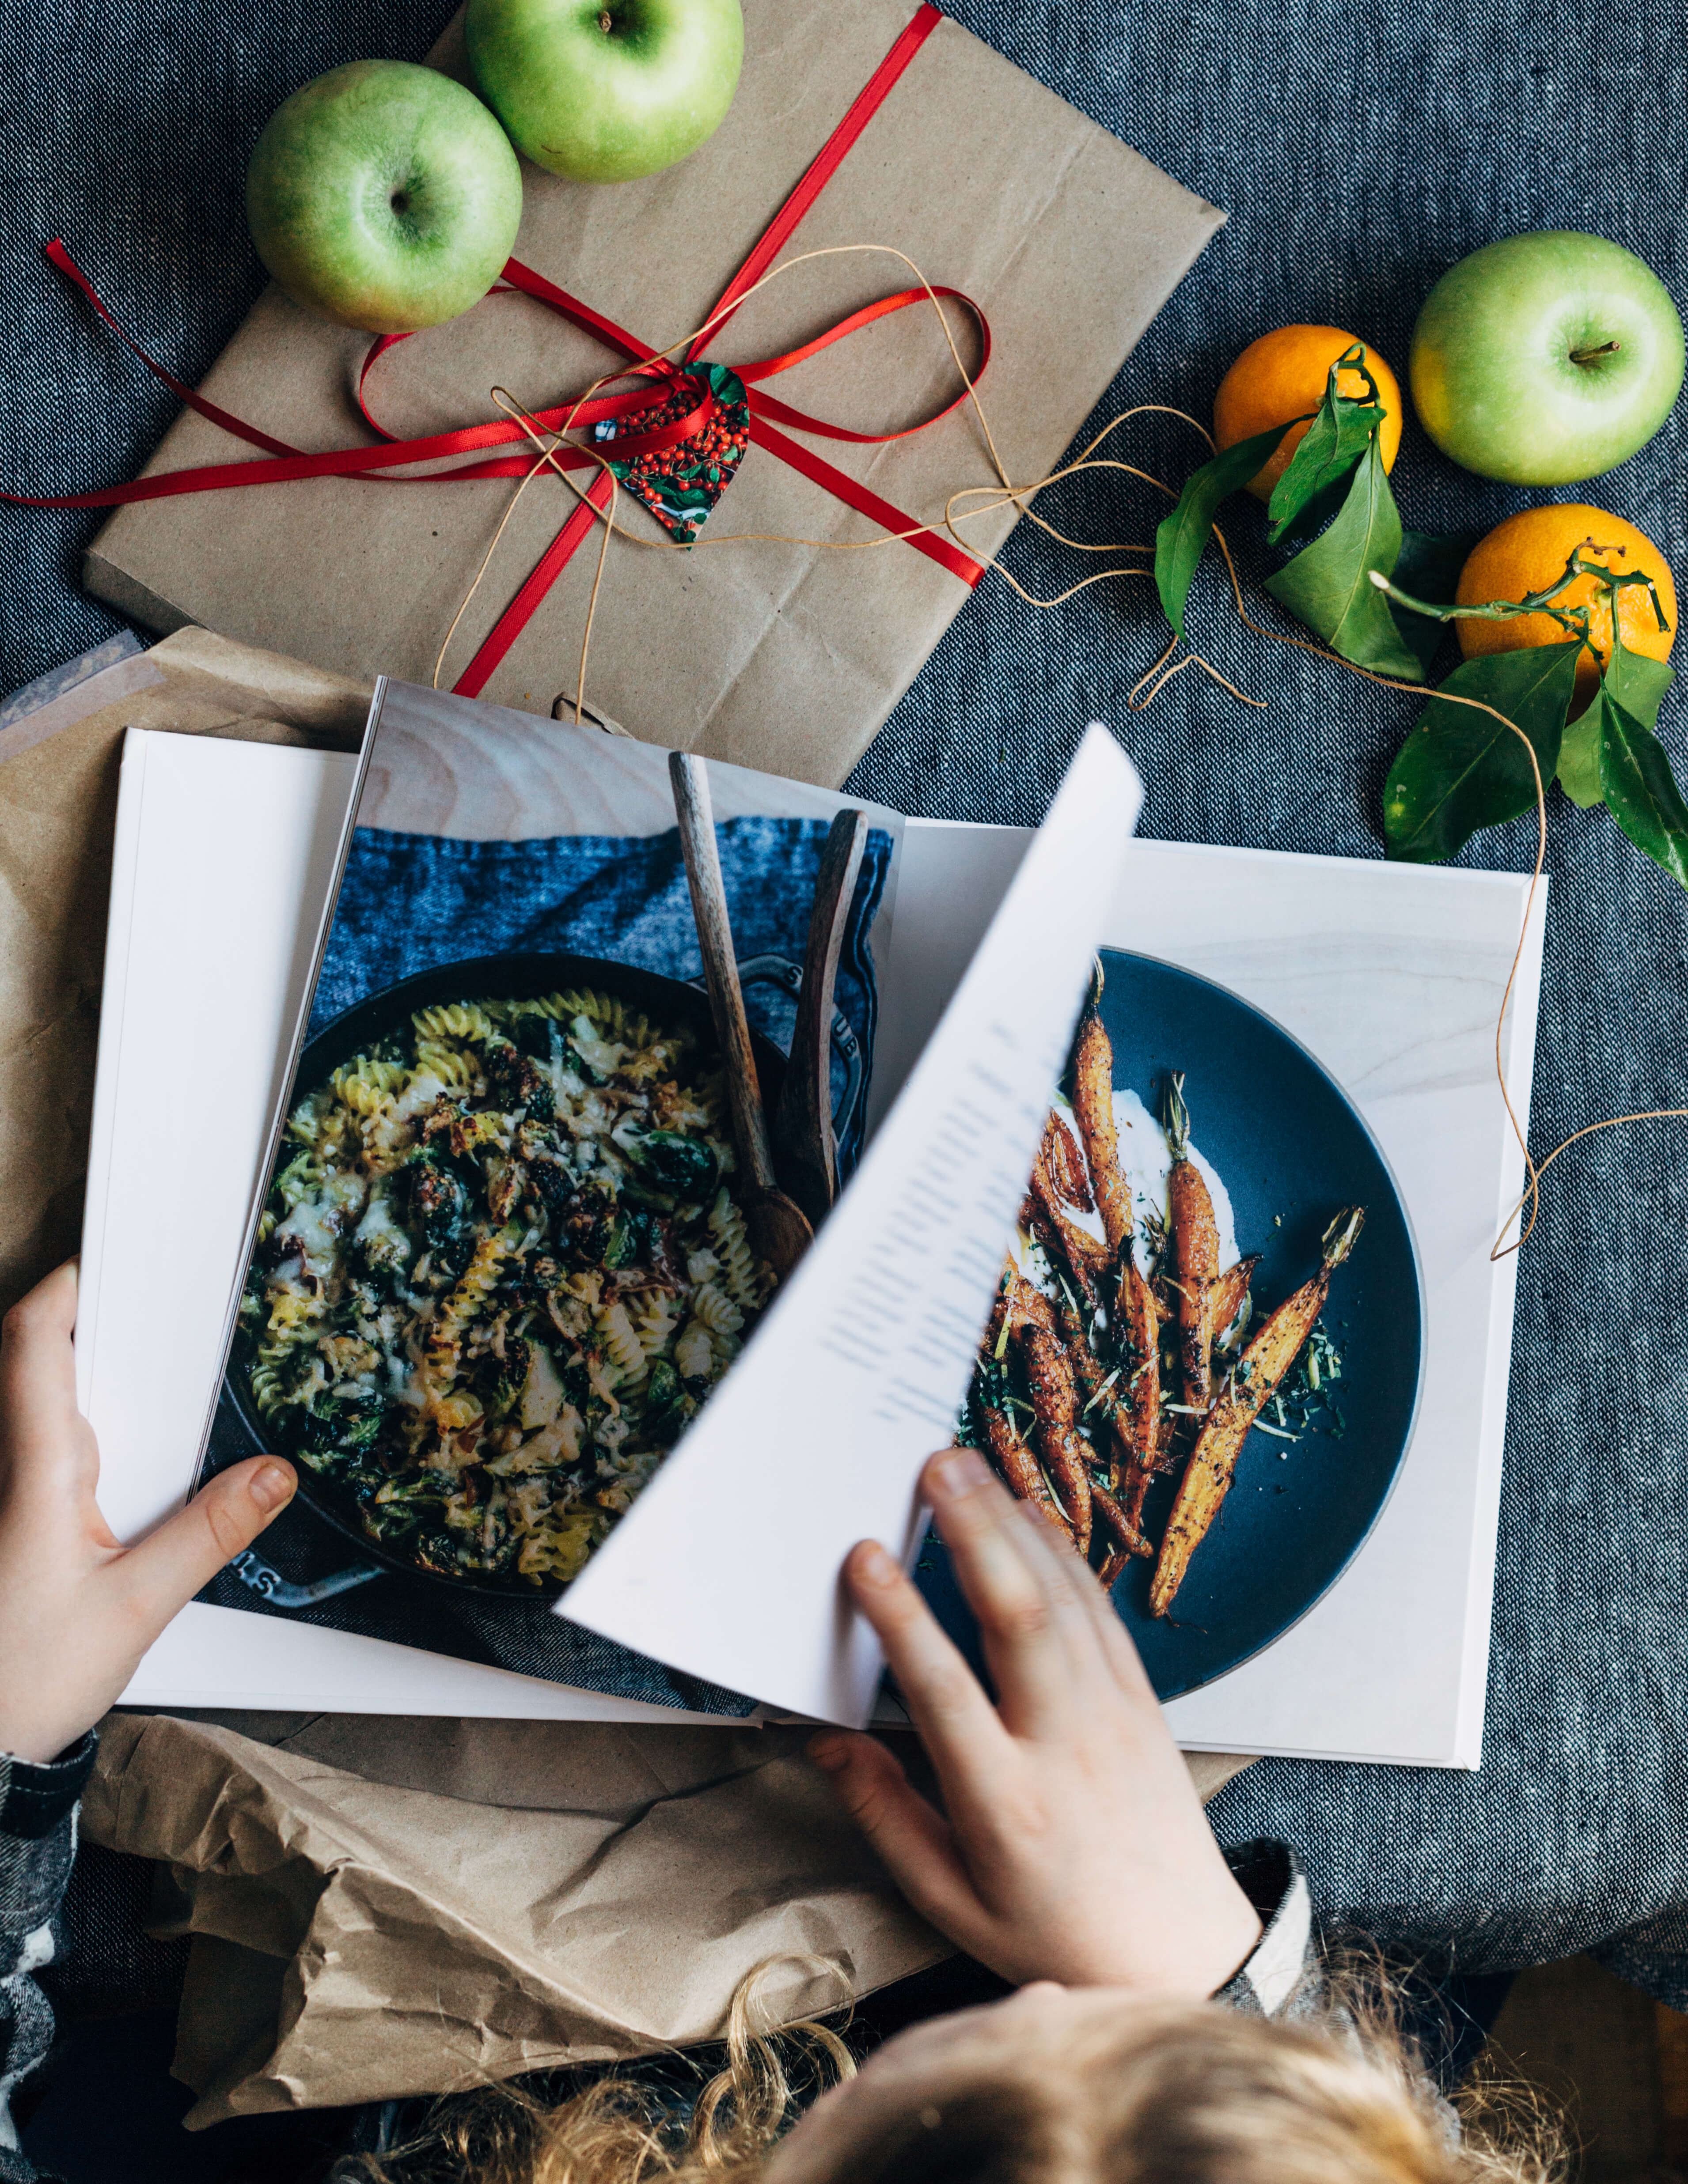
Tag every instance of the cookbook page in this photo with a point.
(502, 1260)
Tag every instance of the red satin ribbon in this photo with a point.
(768, 415)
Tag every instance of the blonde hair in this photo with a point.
(1159, 2094)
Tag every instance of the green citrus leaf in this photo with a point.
(1637, 683)
(1181, 538)
(1460, 769)
(1579, 761)
(1329, 449)
(1429, 567)
(1640, 789)
(1329, 585)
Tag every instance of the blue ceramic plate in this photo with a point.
(1292, 1151)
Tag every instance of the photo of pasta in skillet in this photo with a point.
(500, 1267)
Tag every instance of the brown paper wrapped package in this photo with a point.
(379, 1906)
(786, 656)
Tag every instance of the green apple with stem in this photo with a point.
(605, 90)
(385, 195)
(1545, 359)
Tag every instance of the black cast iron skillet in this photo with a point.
(666, 1001)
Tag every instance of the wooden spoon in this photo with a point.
(806, 1152)
(779, 1233)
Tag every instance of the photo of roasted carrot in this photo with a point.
(1194, 1250)
(1018, 1466)
(1146, 1349)
(1054, 1400)
(1093, 1104)
(1229, 1293)
(1212, 1465)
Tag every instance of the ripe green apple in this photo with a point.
(385, 196)
(605, 90)
(1545, 359)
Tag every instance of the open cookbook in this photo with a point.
(470, 1230)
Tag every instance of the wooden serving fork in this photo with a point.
(780, 1233)
(805, 1151)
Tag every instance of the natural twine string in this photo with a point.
(1006, 494)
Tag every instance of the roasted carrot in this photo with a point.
(1229, 1289)
(1127, 1534)
(1139, 1421)
(1268, 1358)
(1064, 1165)
(1018, 1466)
(1093, 1104)
(1087, 1260)
(1195, 1251)
(1054, 1398)
(1114, 1565)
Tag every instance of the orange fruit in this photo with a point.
(1527, 553)
(1282, 376)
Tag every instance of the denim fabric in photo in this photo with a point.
(1357, 153)
(416, 902)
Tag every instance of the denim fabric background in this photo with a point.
(1358, 151)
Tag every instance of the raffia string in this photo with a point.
(1004, 493)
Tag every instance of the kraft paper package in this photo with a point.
(785, 656)
(559, 1893)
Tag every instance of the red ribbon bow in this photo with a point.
(768, 415)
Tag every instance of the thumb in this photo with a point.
(171, 1565)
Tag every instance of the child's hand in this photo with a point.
(77, 1610)
(1075, 1846)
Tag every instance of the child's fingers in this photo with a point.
(163, 1573)
(1120, 1657)
(912, 1840)
(961, 1730)
(1026, 1625)
(38, 1386)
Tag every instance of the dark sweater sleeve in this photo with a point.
(37, 1842)
(1282, 1976)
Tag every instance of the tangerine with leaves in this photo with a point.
(1530, 552)
(1282, 376)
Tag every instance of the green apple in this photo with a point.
(605, 90)
(1545, 359)
(385, 196)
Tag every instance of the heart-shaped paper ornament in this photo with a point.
(680, 485)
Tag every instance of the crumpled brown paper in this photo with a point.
(57, 805)
(381, 1906)
(356, 1941)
